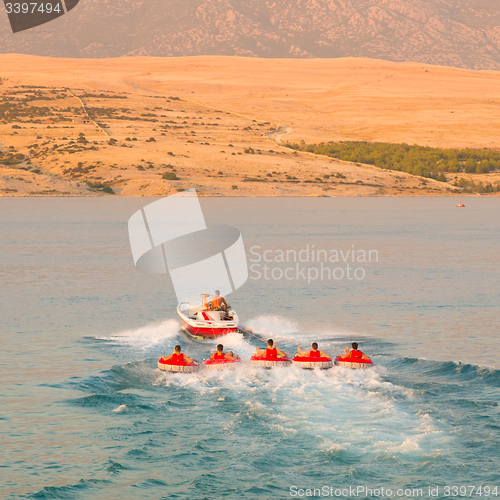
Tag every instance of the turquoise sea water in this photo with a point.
(86, 414)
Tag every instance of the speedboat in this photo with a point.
(201, 323)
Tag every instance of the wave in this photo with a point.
(84, 486)
(272, 325)
(448, 370)
(118, 378)
(146, 336)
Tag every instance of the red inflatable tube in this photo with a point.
(270, 358)
(353, 362)
(219, 364)
(270, 361)
(309, 363)
(178, 366)
(310, 359)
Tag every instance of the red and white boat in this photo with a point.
(200, 323)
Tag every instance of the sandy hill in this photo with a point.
(154, 126)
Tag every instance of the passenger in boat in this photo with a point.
(270, 352)
(354, 353)
(314, 353)
(220, 353)
(178, 356)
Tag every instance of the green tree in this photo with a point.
(170, 176)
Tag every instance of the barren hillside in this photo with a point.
(150, 127)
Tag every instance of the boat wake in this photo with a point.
(155, 334)
(269, 325)
(407, 416)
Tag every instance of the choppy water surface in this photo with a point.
(86, 414)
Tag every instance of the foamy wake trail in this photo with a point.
(336, 405)
(235, 341)
(148, 335)
(268, 325)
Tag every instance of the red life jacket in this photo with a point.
(356, 354)
(271, 353)
(219, 356)
(177, 358)
(314, 354)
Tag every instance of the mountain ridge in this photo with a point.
(459, 33)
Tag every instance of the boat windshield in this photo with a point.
(195, 301)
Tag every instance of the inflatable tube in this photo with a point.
(221, 364)
(353, 362)
(308, 363)
(272, 362)
(178, 367)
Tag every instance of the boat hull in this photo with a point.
(201, 324)
(205, 333)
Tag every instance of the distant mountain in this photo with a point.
(462, 33)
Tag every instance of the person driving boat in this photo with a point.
(218, 303)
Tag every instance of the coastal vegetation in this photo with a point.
(417, 160)
(100, 186)
(170, 176)
(476, 187)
